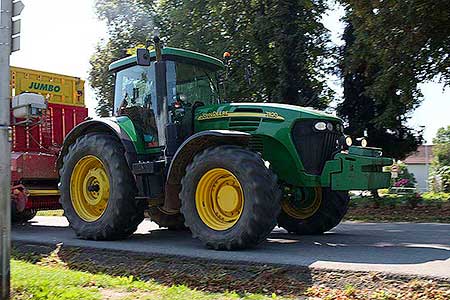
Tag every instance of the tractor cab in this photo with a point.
(156, 95)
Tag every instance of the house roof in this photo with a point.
(422, 156)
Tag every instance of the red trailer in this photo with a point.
(37, 136)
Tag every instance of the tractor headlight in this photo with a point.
(363, 142)
(348, 141)
(330, 127)
(320, 126)
(345, 142)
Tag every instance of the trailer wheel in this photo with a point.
(23, 216)
(309, 211)
(229, 198)
(98, 189)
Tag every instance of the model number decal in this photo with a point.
(226, 114)
(213, 115)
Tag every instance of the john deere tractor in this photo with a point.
(229, 172)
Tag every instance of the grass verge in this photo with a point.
(51, 280)
(46, 272)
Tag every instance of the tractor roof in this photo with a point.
(171, 54)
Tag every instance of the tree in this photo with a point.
(439, 179)
(441, 149)
(382, 115)
(409, 40)
(130, 22)
(278, 47)
(395, 45)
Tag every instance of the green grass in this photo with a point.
(55, 281)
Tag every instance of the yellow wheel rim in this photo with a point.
(89, 188)
(219, 199)
(303, 205)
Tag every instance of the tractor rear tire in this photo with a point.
(98, 189)
(173, 222)
(229, 198)
(329, 213)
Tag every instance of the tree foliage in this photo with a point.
(391, 46)
(130, 22)
(278, 47)
(409, 40)
(441, 149)
(382, 116)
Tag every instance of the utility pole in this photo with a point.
(9, 42)
(5, 151)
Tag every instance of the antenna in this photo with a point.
(158, 44)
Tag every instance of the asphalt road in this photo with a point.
(400, 248)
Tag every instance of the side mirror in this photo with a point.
(143, 57)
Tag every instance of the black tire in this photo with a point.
(260, 191)
(170, 221)
(332, 209)
(23, 216)
(123, 212)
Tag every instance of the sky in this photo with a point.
(60, 35)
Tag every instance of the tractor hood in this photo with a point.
(264, 110)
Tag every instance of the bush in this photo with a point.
(387, 200)
(404, 179)
(432, 197)
(440, 179)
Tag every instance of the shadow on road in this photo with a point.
(367, 248)
(362, 243)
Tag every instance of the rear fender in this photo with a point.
(105, 126)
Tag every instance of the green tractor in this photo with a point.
(229, 172)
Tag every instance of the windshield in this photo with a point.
(191, 84)
(135, 87)
(135, 97)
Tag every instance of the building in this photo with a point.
(419, 164)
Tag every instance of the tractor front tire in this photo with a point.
(322, 214)
(229, 198)
(98, 189)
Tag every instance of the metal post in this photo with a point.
(427, 167)
(5, 148)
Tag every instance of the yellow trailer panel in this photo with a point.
(57, 88)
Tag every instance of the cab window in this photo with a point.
(191, 84)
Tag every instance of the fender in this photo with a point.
(103, 126)
(186, 152)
